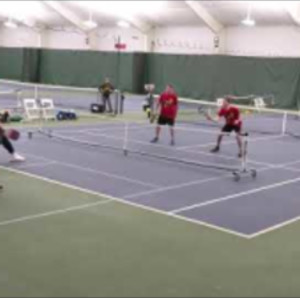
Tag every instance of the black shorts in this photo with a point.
(164, 120)
(230, 128)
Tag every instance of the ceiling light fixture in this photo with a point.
(248, 21)
(90, 23)
(10, 24)
(123, 24)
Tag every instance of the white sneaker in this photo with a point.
(17, 157)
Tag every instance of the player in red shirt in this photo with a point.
(233, 122)
(167, 106)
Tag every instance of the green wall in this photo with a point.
(85, 68)
(11, 63)
(208, 76)
(195, 76)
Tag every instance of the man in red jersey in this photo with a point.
(167, 106)
(233, 122)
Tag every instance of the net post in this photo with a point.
(121, 104)
(284, 123)
(19, 98)
(125, 142)
(116, 107)
(244, 152)
(35, 92)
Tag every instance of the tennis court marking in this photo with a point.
(179, 148)
(166, 188)
(255, 139)
(185, 149)
(275, 227)
(163, 189)
(110, 175)
(53, 212)
(161, 160)
(234, 196)
(110, 199)
(142, 206)
(158, 188)
(196, 182)
(37, 164)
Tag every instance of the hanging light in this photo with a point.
(10, 24)
(248, 21)
(123, 24)
(90, 23)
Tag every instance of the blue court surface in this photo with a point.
(201, 195)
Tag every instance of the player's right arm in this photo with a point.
(214, 118)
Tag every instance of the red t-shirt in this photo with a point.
(168, 103)
(231, 115)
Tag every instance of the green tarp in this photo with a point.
(11, 63)
(195, 76)
(85, 68)
(209, 77)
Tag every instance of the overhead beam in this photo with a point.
(67, 14)
(294, 12)
(142, 26)
(204, 15)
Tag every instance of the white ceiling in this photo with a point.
(152, 13)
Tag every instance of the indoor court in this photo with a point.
(97, 209)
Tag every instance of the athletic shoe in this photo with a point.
(17, 157)
(216, 149)
(155, 140)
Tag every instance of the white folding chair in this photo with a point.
(259, 103)
(31, 109)
(47, 108)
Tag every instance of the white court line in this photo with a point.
(32, 165)
(183, 149)
(159, 189)
(212, 166)
(234, 196)
(227, 157)
(186, 219)
(116, 126)
(292, 162)
(53, 212)
(173, 187)
(123, 201)
(275, 227)
(111, 199)
(134, 181)
(232, 142)
(179, 149)
(290, 169)
(196, 182)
